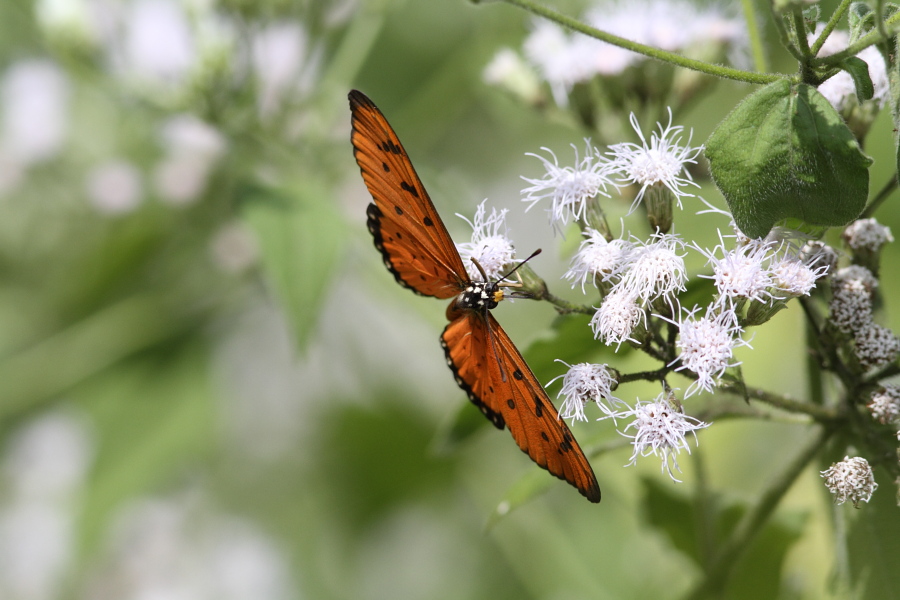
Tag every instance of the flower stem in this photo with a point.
(669, 57)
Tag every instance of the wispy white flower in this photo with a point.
(569, 188)
(586, 382)
(851, 479)
(656, 270)
(791, 277)
(661, 163)
(192, 149)
(815, 253)
(598, 258)
(490, 245)
(661, 429)
(707, 346)
(741, 273)
(617, 317)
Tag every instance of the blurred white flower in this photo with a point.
(114, 188)
(234, 248)
(279, 54)
(867, 234)
(35, 104)
(885, 404)
(159, 49)
(192, 149)
(36, 550)
(48, 457)
(840, 89)
(44, 469)
(490, 245)
(180, 549)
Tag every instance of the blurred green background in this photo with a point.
(210, 387)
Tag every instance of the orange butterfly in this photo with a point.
(420, 253)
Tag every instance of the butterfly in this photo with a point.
(419, 252)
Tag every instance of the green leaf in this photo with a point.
(531, 485)
(757, 574)
(301, 235)
(861, 20)
(784, 152)
(859, 71)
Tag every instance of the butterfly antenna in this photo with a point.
(516, 268)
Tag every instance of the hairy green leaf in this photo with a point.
(784, 152)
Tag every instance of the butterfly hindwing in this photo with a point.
(507, 392)
(413, 240)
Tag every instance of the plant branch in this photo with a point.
(650, 51)
(882, 195)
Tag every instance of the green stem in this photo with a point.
(669, 57)
(829, 26)
(756, 42)
(821, 414)
(564, 306)
(870, 39)
(754, 520)
(800, 34)
(880, 197)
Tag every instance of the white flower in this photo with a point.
(851, 479)
(707, 346)
(885, 404)
(741, 273)
(617, 317)
(656, 270)
(661, 163)
(599, 258)
(583, 383)
(816, 253)
(850, 307)
(569, 188)
(867, 234)
(660, 429)
(792, 277)
(114, 188)
(491, 248)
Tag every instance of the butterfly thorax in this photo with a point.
(479, 296)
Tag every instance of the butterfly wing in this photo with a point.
(513, 396)
(409, 233)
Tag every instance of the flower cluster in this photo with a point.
(850, 479)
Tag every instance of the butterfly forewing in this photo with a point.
(507, 392)
(413, 240)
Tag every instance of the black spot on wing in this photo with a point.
(510, 403)
(518, 375)
(428, 222)
(538, 407)
(409, 188)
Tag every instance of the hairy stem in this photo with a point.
(669, 57)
